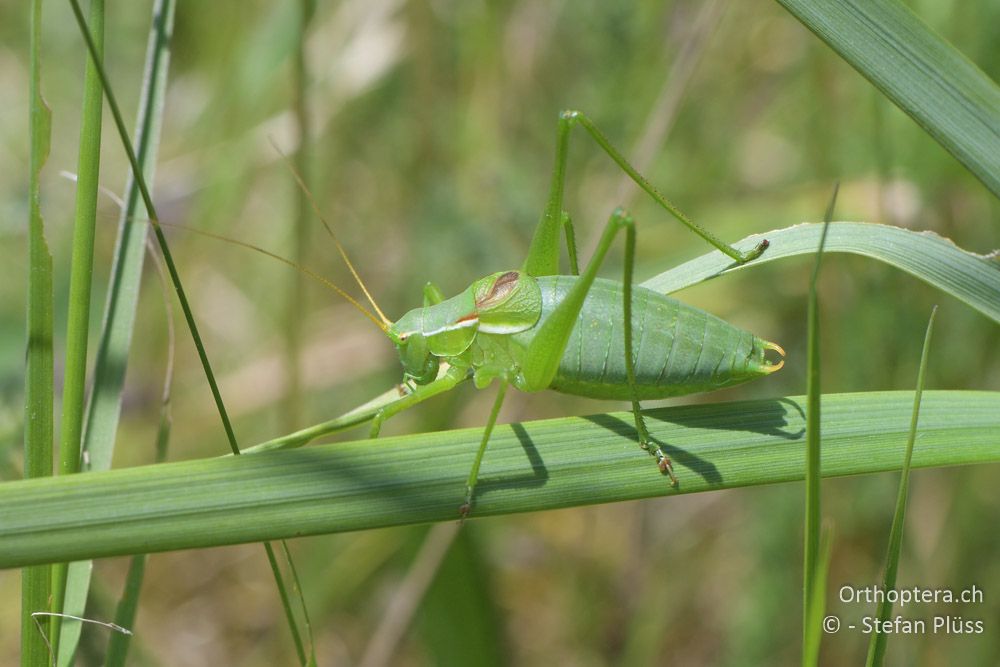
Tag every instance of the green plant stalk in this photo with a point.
(293, 331)
(38, 391)
(81, 272)
(157, 230)
(128, 604)
(813, 514)
(296, 296)
(286, 605)
(167, 257)
(126, 272)
(814, 614)
(533, 466)
(933, 82)
(104, 407)
(813, 471)
(877, 644)
(309, 660)
(296, 306)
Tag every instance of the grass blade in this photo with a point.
(925, 76)
(78, 317)
(128, 604)
(817, 604)
(811, 550)
(119, 315)
(293, 328)
(118, 642)
(147, 200)
(296, 290)
(286, 604)
(970, 278)
(87, 181)
(877, 645)
(104, 408)
(38, 391)
(531, 466)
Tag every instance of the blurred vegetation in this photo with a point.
(434, 132)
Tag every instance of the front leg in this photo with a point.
(452, 377)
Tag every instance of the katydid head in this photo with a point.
(419, 364)
(425, 335)
(505, 302)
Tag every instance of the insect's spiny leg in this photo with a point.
(416, 394)
(470, 485)
(640, 423)
(666, 465)
(376, 425)
(663, 461)
(567, 223)
(570, 117)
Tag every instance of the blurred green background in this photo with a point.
(433, 130)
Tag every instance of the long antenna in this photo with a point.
(383, 325)
(329, 230)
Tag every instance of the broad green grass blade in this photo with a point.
(104, 408)
(877, 644)
(38, 390)
(88, 176)
(971, 278)
(924, 75)
(532, 466)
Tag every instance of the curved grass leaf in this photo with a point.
(924, 75)
(971, 278)
(529, 467)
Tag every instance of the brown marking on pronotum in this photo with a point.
(502, 287)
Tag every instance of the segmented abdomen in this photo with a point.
(678, 349)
